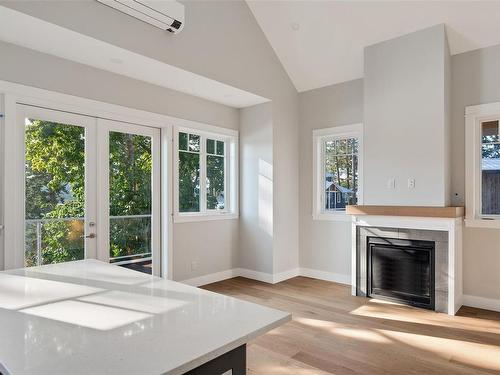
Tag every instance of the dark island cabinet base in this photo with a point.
(235, 360)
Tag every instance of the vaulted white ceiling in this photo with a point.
(321, 42)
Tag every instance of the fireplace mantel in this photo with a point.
(415, 211)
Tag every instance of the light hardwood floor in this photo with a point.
(333, 332)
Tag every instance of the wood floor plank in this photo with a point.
(333, 332)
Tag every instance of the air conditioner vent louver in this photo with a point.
(165, 14)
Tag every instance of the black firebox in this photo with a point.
(401, 270)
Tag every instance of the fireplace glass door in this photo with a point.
(401, 270)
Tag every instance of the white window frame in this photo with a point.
(319, 137)
(474, 117)
(230, 139)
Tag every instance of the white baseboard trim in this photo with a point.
(256, 275)
(267, 277)
(327, 276)
(282, 276)
(212, 277)
(481, 302)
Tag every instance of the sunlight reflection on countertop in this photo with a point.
(91, 317)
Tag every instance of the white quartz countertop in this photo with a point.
(89, 317)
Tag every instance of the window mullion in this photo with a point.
(227, 196)
(203, 174)
(322, 184)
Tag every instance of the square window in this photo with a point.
(194, 143)
(205, 180)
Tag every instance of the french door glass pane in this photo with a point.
(130, 167)
(54, 192)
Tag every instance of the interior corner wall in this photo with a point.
(286, 184)
(324, 245)
(475, 80)
(256, 230)
(28, 67)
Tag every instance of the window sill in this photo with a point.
(337, 216)
(190, 218)
(482, 223)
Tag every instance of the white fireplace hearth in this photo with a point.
(445, 232)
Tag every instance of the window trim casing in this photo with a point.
(474, 116)
(319, 135)
(231, 139)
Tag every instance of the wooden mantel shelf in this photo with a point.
(416, 211)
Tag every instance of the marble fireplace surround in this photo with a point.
(446, 232)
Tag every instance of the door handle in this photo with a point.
(91, 235)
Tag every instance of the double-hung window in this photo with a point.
(205, 174)
(483, 165)
(337, 171)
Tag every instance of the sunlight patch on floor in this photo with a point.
(369, 335)
(470, 353)
(399, 314)
(456, 350)
(264, 362)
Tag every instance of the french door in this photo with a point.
(91, 190)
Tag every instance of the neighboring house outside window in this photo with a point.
(337, 171)
(205, 177)
(483, 165)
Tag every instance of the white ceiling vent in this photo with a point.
(165, 14)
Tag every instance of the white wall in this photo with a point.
(325, 245)
(221, 41)
(256, 189)
(405, 119)
(475, 80)
(286, 183)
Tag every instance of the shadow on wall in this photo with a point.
(266, 197)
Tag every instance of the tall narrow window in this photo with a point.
(215, 174)
(206, 179)
(337, 170)
(340, 173)
(490, 168)
(189, 172)
(482, 166)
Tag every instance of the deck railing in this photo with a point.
(74, 236)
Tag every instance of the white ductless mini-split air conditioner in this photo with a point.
(165, 14)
